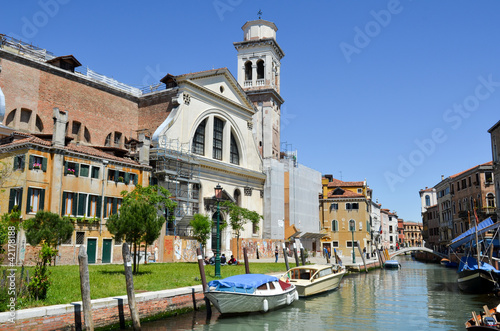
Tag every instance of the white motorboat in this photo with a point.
(250, 293)
(317, 278)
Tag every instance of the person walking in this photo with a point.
(276, 254)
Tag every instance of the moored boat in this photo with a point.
(392, 264)
(448, 264)
(250, 293)
(474, 279)
(314, 279)
(487, 320)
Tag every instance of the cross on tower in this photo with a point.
(259, 13)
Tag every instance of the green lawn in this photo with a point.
(109, 280)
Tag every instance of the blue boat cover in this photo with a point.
(482, 227)
(470, 263)
(246, 281)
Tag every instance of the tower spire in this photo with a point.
(259, 13)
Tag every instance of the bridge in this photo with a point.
(416, 249)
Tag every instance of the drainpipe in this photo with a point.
(104, 164)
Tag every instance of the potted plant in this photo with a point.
(37, 165)
(120, 179)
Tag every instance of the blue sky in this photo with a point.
(397, 92)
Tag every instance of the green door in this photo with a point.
(91, 249)
(106, 250)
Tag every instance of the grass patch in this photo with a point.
(109, 280)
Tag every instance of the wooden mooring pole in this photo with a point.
(363, 257)
(285, 256)
(204, 284)
(127, 262)
(245, 257)
(85, 288)
(296, 255)
(302, 255)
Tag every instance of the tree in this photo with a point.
(238, 217)
(138, 218)
(8, 223)
(47, 227)
(202, 226)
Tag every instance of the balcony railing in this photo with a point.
(260, 82)
(248, 83)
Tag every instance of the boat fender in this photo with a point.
(265, 305)
(288, 299)
(296, 295)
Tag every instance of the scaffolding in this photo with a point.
(177, 170)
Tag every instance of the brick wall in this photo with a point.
(107, 311)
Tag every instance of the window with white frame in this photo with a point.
(35, 200)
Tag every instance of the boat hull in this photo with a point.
(476, 281)
(234, 303)
(391, 264)
(310, 287)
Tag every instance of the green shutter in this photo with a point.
(84, 170)
(98, 207)
(77, 168)
(23, 157)
(28, 200)
(81, 204)
(15, 162)
(117, 174)
(65, 168)
(135, 179)
(44, 164)
(105, 210)
(63, 207)
(74, 204)
(115, 205)
(126, 178)
(12, 197)
(42, 198)
(88, 205)
(32, 160)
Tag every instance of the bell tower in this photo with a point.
(259, 70)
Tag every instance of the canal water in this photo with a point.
(419, 296)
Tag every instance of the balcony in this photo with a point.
(260, 82)
(248, 83)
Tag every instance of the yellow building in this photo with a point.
(48, 172)
(345, 215)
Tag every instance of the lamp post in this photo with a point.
(351, 227)
(218, 196)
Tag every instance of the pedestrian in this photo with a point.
(276, 254)
(364, 252)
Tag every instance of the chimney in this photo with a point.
(144, 145)
(442, 177)
(59, 134)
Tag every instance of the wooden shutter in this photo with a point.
(135, 179)
(126, 178)
(81, 203)
(65, 168)
(20, 198)
(105, 210)
(117, 174)
(63, 207)
(77, 168)
(98, 207)
(32, 160)
(28, 200)
(12, 197)
(44, 164)
(115, 205)
(42, 198)
(23, 157)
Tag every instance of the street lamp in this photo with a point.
(218, 196)
(352, 225)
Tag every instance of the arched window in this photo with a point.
(427, 200)
(490, 200)
(335, 226)
(107, 142)
(198, 146)
(237, 197)
(260, 69)
(235, 155)
(248, 70)
(218, 135)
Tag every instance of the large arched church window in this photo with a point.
(218, 136)
(248, 70)
(235, 155)
(198, 146)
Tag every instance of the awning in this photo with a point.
(482, 227)
(312, 235)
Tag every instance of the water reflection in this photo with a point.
(418, 296)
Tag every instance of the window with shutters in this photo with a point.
(15, 198)
(95, 172)
(84, 170)
(18, 162)
(112, 175)
(335, 226)
(71, 168)
(82, 202)
(36, 198)
(69, 204)
(94, 206)
(37, 162)
(121, 176)
(111, 206)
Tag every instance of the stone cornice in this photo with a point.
(261, 42)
